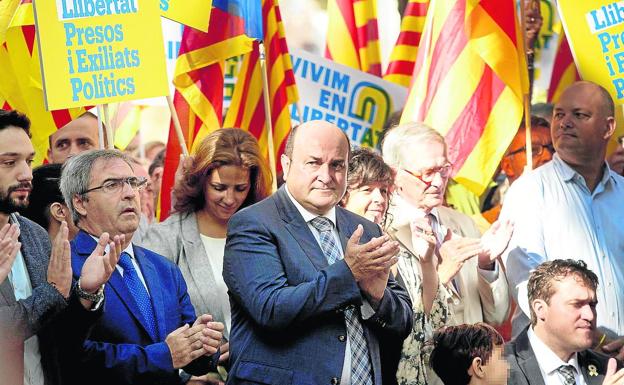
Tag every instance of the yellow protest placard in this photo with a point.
(100, 51)
(194, 13)
(595, 30)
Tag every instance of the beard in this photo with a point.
(10, 205)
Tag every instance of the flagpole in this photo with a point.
(100, 115)
(526, 97)
(177, 126)
(299, 113)
(110, 136)
(267, 114)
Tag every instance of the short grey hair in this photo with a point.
(400, 139)
(76, 174)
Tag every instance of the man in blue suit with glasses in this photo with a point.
(148, 331)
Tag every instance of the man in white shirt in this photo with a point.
(555, 349)
(572, 207)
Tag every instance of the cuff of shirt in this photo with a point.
(367, 310)
(489, 275)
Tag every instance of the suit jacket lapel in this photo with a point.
(527, 360)
(345, 228)
(35, 266)
(299, 229)
(150, 275)
(7, 292)
(592, 369)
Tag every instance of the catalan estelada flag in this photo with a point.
(247, 107)
(470, 78)
(403, 56)
(352, 34)
(564, 70)
(198, 80)
(21, 85)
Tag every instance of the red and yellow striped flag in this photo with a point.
(247, 107)
(403, 56)
(470, 78)
(564, 70)
(199, 78)
(352, 34)
(21, 86)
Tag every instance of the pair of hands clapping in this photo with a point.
(370, 263)
(96, 270)
(455, 251)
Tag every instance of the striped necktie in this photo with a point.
(361, 372)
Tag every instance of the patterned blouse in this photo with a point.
(414, 362)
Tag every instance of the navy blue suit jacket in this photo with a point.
(119, 349)
(288, 324)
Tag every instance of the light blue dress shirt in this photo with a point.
(556, 217)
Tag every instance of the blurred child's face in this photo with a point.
(496, 368)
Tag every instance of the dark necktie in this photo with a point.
(567, 372)
(361, 372)
(139, 293)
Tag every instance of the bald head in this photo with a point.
(594, 91)
(582, 124)
(315, 165)
(313, 127)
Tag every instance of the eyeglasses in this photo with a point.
(115, 185)
(427, 175)
(537, 149)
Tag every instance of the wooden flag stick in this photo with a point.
(177, 126)
(100, 115)
(267, 115)
(526, 97)
(299, 113)
(110, 135)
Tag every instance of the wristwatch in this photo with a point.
(96, 297)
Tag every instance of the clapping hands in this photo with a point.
(9, 246)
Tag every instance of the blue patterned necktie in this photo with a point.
(139, 293)
(361, 372)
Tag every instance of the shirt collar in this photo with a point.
(548, 360)
(308, 216)
(408, 210)
(129, 249)
(569, 173)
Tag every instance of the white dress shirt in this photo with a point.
(549, 362)
(130, 250)
(555, 216)
(214, 250)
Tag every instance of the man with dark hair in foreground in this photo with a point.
(556, 347)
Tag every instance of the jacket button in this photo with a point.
(342, 338)
(335, 381)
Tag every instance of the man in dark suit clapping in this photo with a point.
(309, 282)
(556, 347)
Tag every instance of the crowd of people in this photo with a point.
(357, 270)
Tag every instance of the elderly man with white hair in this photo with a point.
(453, 277)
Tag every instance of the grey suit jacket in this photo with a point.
(24, 318)
(524, 369)
(178, 239)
